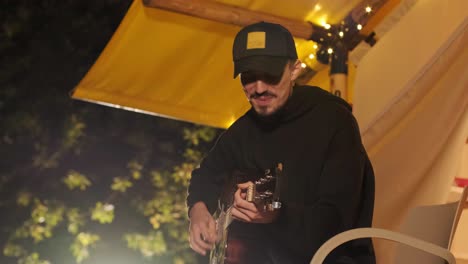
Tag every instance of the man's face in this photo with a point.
(268, 93)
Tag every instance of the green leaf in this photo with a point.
(32, 259)
(81, 245)
(152, 244)
(121, 184)
(75, 220)
(183, 173)
(76, 180)
(158, 180)
(44, 218)
(24, 198)
(201, 133)
(74, 131)
(103, 213)
(13, 250)
(135, 165)
(135, 169)
(136, 175)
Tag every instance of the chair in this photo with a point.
(427, 228)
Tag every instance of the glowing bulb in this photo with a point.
(315, 46)
(326, 25)
(303, 65)
(330, 50)
(317, 7)
(359, 26)
(41, 219)
(311, 56)
(368, 9)
(341, 33)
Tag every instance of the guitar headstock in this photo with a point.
(264, 191)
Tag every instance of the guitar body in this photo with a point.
(264, 192)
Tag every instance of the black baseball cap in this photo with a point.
(263, 46)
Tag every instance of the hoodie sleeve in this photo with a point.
(208, 178)
(339, 191)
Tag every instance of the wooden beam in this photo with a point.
(228, 14)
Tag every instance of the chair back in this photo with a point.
(435, 224)
(428, 231)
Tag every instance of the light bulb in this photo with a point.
(326, 25)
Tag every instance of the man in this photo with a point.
(328, 182)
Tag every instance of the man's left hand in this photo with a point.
(247, 211)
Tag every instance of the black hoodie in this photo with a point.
(328, 181)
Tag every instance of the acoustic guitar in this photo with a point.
(264, 192)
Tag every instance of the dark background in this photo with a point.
(46, 48)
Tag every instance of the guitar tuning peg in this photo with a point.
(276, 204)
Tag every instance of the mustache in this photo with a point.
(256, 95)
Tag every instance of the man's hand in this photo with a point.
(248, 211)
(202, 228)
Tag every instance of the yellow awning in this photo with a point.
(178, 66)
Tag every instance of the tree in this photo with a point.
(81, 182)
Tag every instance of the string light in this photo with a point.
(334, 39)
(303, 65)
(326, 25)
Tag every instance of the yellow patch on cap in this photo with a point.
(256, 40)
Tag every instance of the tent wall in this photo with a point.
(411, 97)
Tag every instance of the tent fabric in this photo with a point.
(152, 63)
(412, 110)
(177, 66)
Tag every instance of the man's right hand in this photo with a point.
(202, 228)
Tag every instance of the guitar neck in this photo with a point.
(229, 218)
